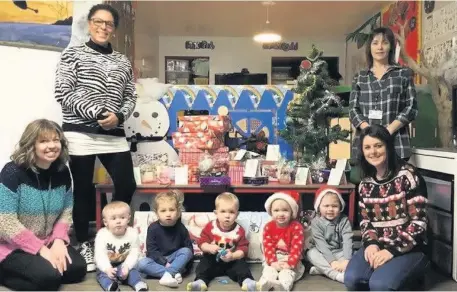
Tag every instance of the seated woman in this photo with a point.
(394, 218)
(36, 202)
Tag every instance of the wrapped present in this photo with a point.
(199, 140)
(192, 124)
(220, 155)
(236, 173)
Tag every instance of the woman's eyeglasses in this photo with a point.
(99, 22)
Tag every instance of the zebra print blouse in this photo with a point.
(90, 81)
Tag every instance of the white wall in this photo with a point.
(231, 54)
(27, 93)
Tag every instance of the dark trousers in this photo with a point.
(28, 272)
(208, 268)
(120, 168)
(399, 273)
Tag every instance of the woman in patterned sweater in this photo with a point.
(36, 204)
(94, 85)
(394, 218)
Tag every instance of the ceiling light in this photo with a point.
(267, 36)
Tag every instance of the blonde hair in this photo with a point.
(25, 155)
(170, 196)
(228, 198)
(114, 206)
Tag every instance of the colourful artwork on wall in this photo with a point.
(45, 24)
(407, 13)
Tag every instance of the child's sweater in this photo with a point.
(111, 250)
(35, 208)
(162, 241)
(233, 240)
(285, 240)
(394, 211)
(332, 236)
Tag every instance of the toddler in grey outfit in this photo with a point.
(331, 243)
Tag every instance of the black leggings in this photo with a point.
(120, 168)
(28, 272)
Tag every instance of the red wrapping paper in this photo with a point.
(199, 140)
(191, 124)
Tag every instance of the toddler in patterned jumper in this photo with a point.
(283, 239)
(224, 245)
(117, 250)
(332, 236)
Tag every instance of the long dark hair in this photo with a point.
(394, 163)
(389, 36)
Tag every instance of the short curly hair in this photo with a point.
(105, 7)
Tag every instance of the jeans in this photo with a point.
(394, 275)
(133, 278)
(178, 261)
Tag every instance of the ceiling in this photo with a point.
(317, 19)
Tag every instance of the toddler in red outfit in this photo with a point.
(283, 239)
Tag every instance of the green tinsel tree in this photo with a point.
(309, 113)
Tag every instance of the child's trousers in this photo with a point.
(286, 278)
(105, 282)
(316, 258)
(209, 268)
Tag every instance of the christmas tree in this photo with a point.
(309, 113)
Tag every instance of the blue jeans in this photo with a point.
(178, 261)
(133, 278)
(394, 275)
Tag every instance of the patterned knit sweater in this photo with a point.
(394, 214)
(90, 81)
(287, 241)
(35, 208)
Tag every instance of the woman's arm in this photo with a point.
(11, 229)
(409, 113)
(65, 84)
(416, 206)
(355, 114)
(129, 97)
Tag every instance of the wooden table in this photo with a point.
(346, 190)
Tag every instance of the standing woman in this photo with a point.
(384, 94)
(393, 207)
(95, 87)
(36, 203)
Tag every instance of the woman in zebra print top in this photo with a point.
(95, 87)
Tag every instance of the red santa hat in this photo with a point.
(324, 190)
(291, 197)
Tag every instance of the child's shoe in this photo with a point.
(178, 278)
(141, 286)
(168, 280)
(198, 285)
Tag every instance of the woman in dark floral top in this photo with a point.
(393, 200)
(384, 94)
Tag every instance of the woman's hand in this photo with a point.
(111, 121)
(60, 252)
(50, 257)
(277, 266)
(370, 251)
(381, 257)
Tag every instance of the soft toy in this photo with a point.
(148, 126)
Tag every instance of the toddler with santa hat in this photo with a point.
(331, 235)
(283, 239)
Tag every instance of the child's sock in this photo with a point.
(178, 278)
(198, 285)
(168, 280)
(141, 286)
(250, 285)
(314, 271)
(113, 287)
(340, 277)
